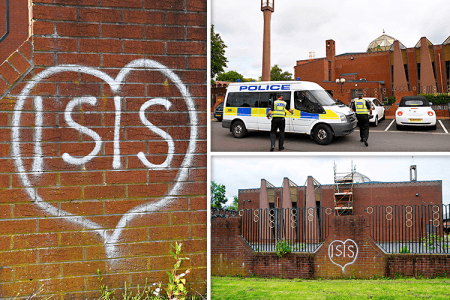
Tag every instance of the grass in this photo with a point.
(386, 289)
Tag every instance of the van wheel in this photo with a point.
(322, 134)
(238, 129)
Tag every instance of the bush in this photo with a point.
(404, 249)
(282, 247)
(437, 99)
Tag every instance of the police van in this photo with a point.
(315, 112)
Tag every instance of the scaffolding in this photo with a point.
(343, 192)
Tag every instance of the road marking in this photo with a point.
(443, 127)
(389, 125)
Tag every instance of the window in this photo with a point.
(266, 99)
(242, 100)
(305, 101)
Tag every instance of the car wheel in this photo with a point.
(219, 119)
(399, 127)
(433, 127)
(238, 129)
(376, 120)
(322, 134)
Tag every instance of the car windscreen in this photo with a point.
(413, 103)
(323, 97)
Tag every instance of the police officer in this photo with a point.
(362, 108)
(278, 112)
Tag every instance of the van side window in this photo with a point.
(242, 99)
(266, 99)
(304, 101)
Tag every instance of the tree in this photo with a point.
(218, 198)
(234, 205)
(232, 76)
(276, 74)
(218, 59)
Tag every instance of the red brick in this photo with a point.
(60, 254)
(189, 19)
(44, 59)
(164, 33)
(58, 13)
(92, 60)
(82, 268)
(64, 284)
(144, 47)
(40, 271)
(13, 195)
(183, 218)
(122, 206)
(193, 188)
(198, 34)
(99, 15)
(25, 49)
(36, 240)
(80, 238)
(120, 3)
(52, 44)
(150, 248)
(166, 4)
(186, 48)
(196, 5)
(83, 207)
(19, 62)
(119, 60)
(120, 31)
(11, 258)
(78, 2)
(168, 232)
(43, 27)
(5, 243)
(100, 45)
(143, 17)
(8, 72)
(104, 192)
(150, 190)
(60, 193)
(77, 29)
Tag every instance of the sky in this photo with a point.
(243, 172)
(300, 27)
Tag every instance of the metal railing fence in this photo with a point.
(394, 228)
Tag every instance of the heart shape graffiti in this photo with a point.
(343, 253)
(110, 239)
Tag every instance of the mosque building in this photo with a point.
(387, 68)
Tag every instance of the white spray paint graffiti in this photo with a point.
(72, 124)
(343, 251)
(110, 240)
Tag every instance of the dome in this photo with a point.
(358, 177)
(383, 43)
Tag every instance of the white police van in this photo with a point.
(315, 112)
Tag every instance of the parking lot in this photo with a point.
(383, 138)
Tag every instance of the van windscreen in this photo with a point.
(323, 98)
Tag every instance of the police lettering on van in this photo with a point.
(315, 112)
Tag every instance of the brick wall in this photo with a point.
(103, 142)
(231, 255)
(18, 26)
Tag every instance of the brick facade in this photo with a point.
(103, 146)
(232, 256)
(373, 72)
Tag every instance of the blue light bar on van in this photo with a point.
(267, 87)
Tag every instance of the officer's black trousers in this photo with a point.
(277, 123)
(363, 124)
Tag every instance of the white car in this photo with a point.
(377, 112)
(415, 111)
